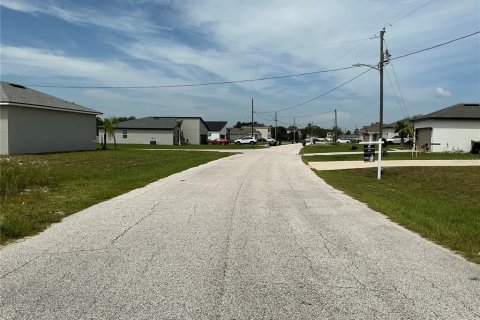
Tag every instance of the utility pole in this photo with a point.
(275, 125)
(294, 131)
(380, 67)
(336, 128)
(252, 119)
(384, 59)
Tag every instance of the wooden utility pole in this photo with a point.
(380, 68)
(336, 128)
(275, 125)
(252, 119)
(294, 131)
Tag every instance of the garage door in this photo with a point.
(424, 136)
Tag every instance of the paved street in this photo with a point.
(253, 236)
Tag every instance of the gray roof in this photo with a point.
(158, 123)
(458, 111)
(17, 94)
(215, 125)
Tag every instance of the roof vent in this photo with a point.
(471, 104)
(17, 86)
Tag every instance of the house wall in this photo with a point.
(3, 130)
(218, 134)
(451, 133)
(138, 136)
(194, 130)
(32, 130)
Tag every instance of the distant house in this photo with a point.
(216, 129)
(35, 122)
(372, 132)
(237, 133)
(160, 130)
(452, 127)
(263, 130)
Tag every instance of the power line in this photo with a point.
(313, 115)
(190, 85)
(411, 12)
(395, 93)
(322, 95)
(399, 89)
(435, 46)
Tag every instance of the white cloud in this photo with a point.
(442, 92)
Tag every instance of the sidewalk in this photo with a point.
(340, 165)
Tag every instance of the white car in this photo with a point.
(397, 140)
(343, 141)
(246, 140)
(270, 140)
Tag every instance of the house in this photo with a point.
(237, 133)
(372, 132)
(160, 130)
(450, 128)
(263, 130)
(216, 129)
(35, 122)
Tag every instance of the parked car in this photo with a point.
(218, 141)
(397, 140)
(343, 140)
(246, 140)
(270, 140)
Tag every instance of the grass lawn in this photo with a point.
(441, 204)
(395, 156)
(37, 190)
(187, 146)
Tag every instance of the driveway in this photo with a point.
(253, 236)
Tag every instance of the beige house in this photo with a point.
(160, 131)
(35, 122)
(372, 132)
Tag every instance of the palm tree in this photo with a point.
(405, 129)
(109, 130)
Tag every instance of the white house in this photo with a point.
(216, 129)
(450, 128)
(160, 130)
(35, 122)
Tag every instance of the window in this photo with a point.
(124, 134)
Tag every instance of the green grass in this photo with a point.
(327, 147)
(185, 147)
(37, 190)
(395, 156)
(441, 204)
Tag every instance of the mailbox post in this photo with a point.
(369, 152)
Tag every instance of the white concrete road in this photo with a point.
(252, 236)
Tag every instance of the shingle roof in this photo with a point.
(458, 111)
(215, 125)
(148, 123)
(17, 94)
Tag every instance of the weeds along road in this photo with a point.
(252, 236)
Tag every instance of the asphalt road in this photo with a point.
(252, 236)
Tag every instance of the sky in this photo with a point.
(140, 57)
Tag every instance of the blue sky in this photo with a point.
(127, 43)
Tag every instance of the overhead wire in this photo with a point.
(395, 93)
(322, 95)
(192, 85)
(400, 90)
(435, 46)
